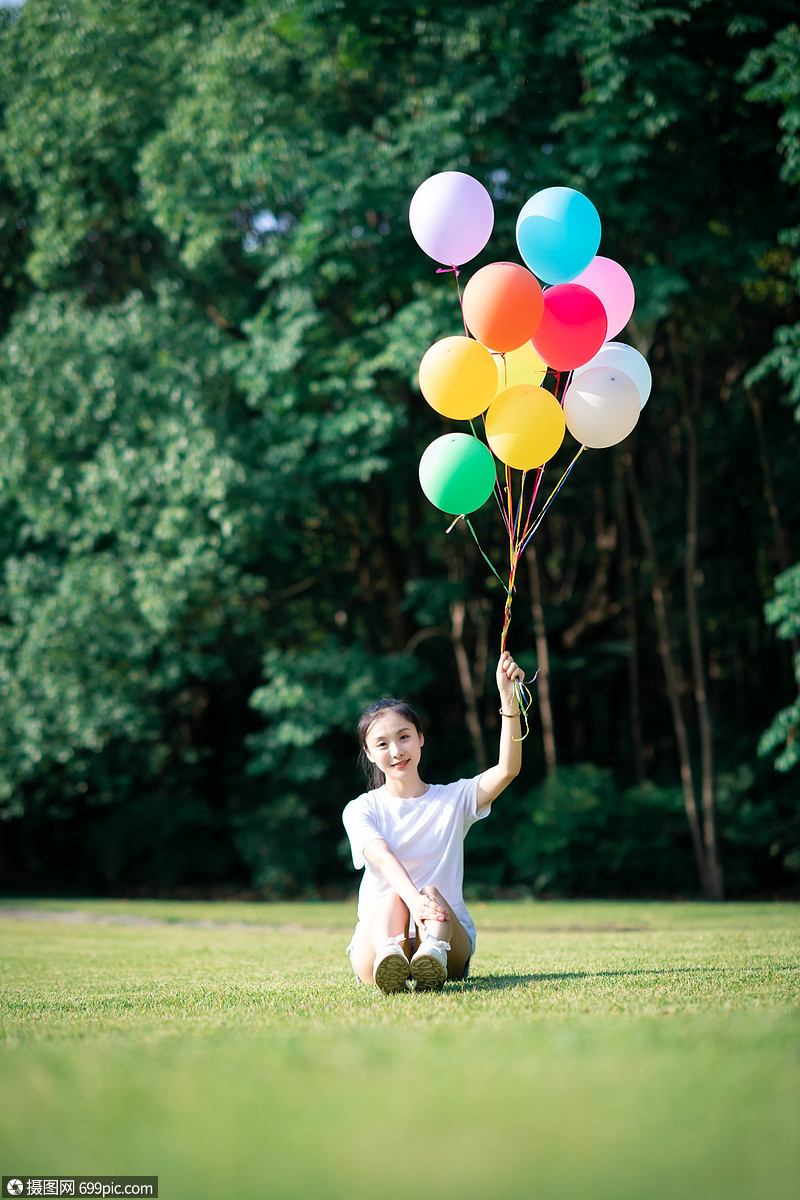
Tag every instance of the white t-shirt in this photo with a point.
(426, 834)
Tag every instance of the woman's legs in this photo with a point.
(451, 931)
(389, 921)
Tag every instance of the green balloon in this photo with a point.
(457, 473)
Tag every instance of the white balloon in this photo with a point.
(601, 407)
(622, 357)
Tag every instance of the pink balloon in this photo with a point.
(573, 327)
(451, 217)
(612, 283)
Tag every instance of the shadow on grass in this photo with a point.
(489, 983)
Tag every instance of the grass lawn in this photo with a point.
(609, 1051)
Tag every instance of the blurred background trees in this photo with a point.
(214, 547)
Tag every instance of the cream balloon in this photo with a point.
(601, 407)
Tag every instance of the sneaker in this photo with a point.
(429, 965)
(391, 969)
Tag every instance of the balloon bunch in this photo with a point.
(515, 332)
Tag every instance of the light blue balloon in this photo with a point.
(558, 233)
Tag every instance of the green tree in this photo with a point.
(780, 62)
(214, 544)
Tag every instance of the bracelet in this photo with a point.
(505, 714)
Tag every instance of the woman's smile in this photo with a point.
(395, 746)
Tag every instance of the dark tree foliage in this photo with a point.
(214, 547)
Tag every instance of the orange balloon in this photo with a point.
(525, 426)
(503, 305)
(458, 378)
(520, 366)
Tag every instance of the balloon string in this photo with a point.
(463, 517)
(477, 543)
(516, 534)
(456, 272)
(533, 501)
(518, 517)
(507, 613)
(497, 491)
(525, 701)
(513, 554)
(551, 498)
(519, 542)
(511, 522)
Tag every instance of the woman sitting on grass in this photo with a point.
(409, 835)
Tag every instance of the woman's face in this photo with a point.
(394, 744)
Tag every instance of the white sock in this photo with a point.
(430, 940)
(397, 941)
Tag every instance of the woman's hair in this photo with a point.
(374, 776)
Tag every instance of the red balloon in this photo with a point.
(573, 326)
(503, 306)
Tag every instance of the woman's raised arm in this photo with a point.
(509, 760)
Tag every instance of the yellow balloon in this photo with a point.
(525, 426)
(519, 366)
(458, 378)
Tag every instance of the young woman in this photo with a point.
(408, 836)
